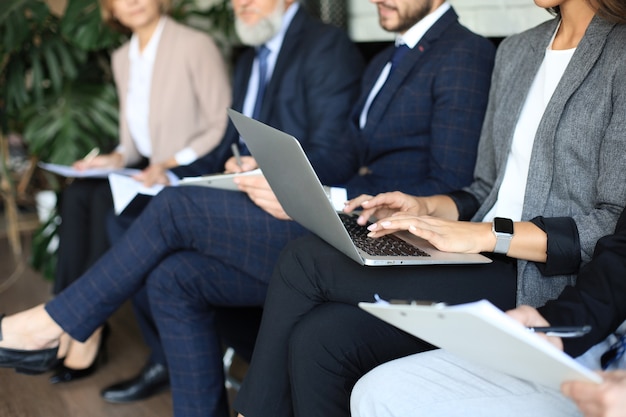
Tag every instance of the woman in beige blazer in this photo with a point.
(173, 90)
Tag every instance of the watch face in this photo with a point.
(502, 225)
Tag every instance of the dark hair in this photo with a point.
(611, 10)
(554, 10)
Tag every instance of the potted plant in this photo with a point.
(56, 86)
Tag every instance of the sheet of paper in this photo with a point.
(482, 333)
(70, 172)
(125, 189)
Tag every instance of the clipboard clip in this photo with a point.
(426, 303)
(398, 301)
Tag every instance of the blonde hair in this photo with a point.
(106, 11)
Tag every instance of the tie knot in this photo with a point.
(398, 53)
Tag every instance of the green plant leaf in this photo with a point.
(18, 19)
(69, 62)
(82, 25)
(37, 73)
(14, 90)
(53, 66)
(43, 255)
(67, 126)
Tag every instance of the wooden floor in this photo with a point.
(33, 396)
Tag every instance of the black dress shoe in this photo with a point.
(65, 374)
(30, 362)
(152, 380)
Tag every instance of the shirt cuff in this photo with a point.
(466, 204)
(337, 196)
(173, 178)
(563, 257)
(185, 156)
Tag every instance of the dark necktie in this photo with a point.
(262, 54)
(399, 52)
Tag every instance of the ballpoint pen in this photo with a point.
(92, 154)
(562, 331)
(235, 150)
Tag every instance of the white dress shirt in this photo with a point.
(139, 84)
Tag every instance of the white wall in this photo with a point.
(487, 17)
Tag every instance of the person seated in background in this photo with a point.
(438, 383)
(173, 89)
(548, 184)
(419, 135)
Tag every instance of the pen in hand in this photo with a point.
(91, 155)
(236, 153)
(562, 331)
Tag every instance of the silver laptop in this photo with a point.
(298, 189)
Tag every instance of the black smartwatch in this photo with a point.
(503, 229)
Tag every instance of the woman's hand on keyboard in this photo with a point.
(445, 235)
(385, 205)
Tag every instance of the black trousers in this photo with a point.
(315, 343)
(85, 204)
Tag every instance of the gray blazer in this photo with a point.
(578, 162)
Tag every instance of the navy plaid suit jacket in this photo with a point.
(423, 127)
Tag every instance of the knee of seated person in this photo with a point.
(161, 284)
(367, 398)
(317, 343)
(171, 281)
(296, 263)
(362, 397)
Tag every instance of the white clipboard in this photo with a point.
(221, 181)
(482, 333)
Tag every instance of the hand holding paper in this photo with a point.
(125, 189)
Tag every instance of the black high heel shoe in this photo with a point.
(31, 362)
(65, 374)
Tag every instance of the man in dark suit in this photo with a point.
(198, 250)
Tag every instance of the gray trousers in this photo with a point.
(439, 384)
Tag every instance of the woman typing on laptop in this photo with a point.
(548, 184)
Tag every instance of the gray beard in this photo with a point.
(264, 30)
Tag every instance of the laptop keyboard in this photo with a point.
(386, 245)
